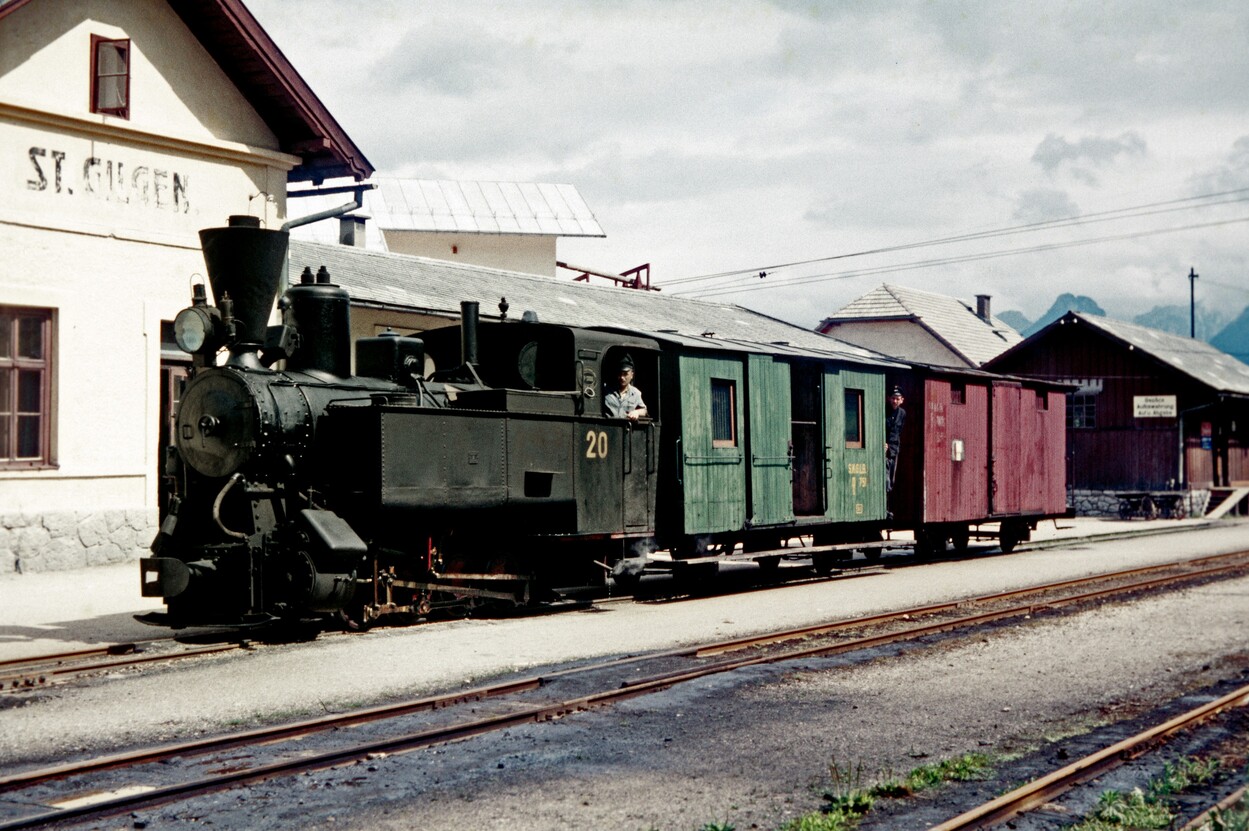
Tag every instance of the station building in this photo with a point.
(126, 126)
(1152, 414)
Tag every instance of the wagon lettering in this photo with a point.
(596, 444)
(854, 468)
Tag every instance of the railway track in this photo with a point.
(24, 674)
(1049, 787)
(121, 782)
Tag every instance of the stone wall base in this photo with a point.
(1106, 503)
(61, 541)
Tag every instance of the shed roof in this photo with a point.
(446, 206)
(270, 83)
(422, 285)
(949, 319)
(1195, 358)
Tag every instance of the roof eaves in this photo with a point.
(318, 138)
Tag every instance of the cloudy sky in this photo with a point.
(791, 138)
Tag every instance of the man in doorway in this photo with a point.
(894, 420)
(626, 400)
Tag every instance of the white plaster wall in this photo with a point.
(900, 339)
(110, 245)
(514, 252)
(175, 87)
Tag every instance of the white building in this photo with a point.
(514, 226)
(126, 126)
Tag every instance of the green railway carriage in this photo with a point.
(763, 442)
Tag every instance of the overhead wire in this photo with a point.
(920, 264)
(1131, 212)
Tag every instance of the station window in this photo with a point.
(25, 386)
(854, 418)
(1082, 410)
(723, 413)
(110, 76)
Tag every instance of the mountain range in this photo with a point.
(1218, 327)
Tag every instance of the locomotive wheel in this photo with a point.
(626, 583)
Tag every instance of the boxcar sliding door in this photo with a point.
(712, 444)
(854, 439)
(771, 461)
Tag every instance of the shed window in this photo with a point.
(1082, 410)
(110, 76)
(25, 386)
(854, 418)
(958, 393)
(723, 413)
(1042, 400)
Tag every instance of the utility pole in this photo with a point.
(1192, 303)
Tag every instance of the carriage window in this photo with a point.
(854, 418)
(723, 413)
(110, 76)
(25, 384)
(958, 393)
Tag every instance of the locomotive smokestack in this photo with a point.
(468, 332)
(246, 262)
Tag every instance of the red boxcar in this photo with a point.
(977, 448)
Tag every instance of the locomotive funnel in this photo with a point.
(248, 263)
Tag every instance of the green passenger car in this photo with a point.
(771, 442)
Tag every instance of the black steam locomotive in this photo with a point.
(310, 491)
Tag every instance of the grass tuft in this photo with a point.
(1151, 807)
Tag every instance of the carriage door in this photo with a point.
(854, 439)
(711, 449)
(806, 397)
(771, 460)
(1006, 449)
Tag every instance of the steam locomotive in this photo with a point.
(475, 464)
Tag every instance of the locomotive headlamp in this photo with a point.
(197, 329)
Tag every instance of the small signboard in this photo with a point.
(1153, 406)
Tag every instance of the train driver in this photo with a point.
(626, 400)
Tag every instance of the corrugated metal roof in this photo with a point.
(444, 206)
(419, 284)
(950, 319)
(1193, 357)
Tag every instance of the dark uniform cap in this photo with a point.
(626, 362)
(896, 391)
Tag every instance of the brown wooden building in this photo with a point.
(1153, 411)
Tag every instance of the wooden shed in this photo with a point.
(1151, 411)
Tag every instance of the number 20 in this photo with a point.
(596, 445)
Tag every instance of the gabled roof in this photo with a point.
(948, 319)
(263, 75)
(421, 285)
(445, 206)
(1194, 358)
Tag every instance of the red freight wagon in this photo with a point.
(977, 448)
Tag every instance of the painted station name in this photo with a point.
(109, 179)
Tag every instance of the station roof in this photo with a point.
(444, 206)
(270, 83)
(436, 287)
(1195, 358)
(948, 319)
